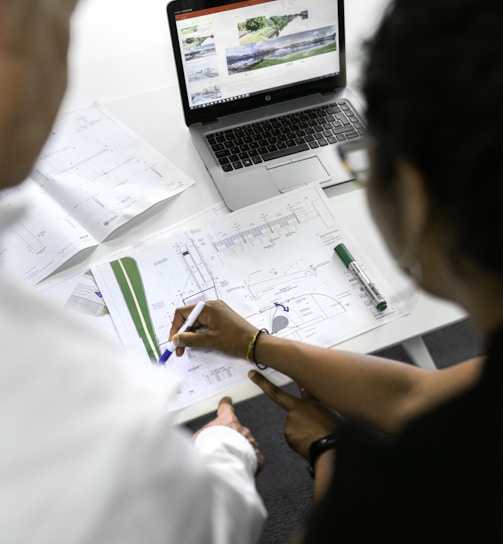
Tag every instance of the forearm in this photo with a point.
(376, 390)
(383, 393)
(323, 474)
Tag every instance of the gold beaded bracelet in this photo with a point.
(250, 352)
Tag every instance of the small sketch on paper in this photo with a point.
(87, 300)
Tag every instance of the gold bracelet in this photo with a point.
(250, 352)
(251, 345)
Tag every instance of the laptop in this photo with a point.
(264, 95)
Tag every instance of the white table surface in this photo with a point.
(121, 56)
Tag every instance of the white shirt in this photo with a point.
(89, 453)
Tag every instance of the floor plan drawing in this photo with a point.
(272, 262)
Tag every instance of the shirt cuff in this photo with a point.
(220, 437)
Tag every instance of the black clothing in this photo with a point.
(440, 480)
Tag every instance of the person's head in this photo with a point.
(34, 38)
(433, 89)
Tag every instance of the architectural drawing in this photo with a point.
(272, 262)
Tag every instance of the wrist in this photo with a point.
(251, 355)
(318, 447)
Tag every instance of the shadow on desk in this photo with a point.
(285, 484)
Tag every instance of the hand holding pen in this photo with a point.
(225, 330)
(185, 318)
(187, 324)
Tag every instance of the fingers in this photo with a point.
(218, 328)
(276, 394)
(191, 340)
(183, 312)
(182, 340)
(225, 407)
(180, 317)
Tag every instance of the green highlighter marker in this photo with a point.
(360, 275)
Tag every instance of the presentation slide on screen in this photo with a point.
(244, 48)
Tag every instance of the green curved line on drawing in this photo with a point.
(129, 279)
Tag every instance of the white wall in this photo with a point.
(119, 48)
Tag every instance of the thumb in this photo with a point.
(225, 406)
(190, 340)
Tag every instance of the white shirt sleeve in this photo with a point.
(232, 460)
(220, 440)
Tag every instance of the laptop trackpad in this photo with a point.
(291, 175)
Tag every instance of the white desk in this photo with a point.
(156, 115)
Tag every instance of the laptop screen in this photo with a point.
(247, 51)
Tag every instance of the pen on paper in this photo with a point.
(374, 294)
(191, 319)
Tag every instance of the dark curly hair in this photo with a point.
(434, 97)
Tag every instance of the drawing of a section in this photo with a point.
(29, 238)
(182, 275)
(264, 234)
(294, 317)
(129, 279)
(198, 275)
(270, 227)
(264, 282)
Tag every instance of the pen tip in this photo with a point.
(164, 357)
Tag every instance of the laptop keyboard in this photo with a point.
(250, 144)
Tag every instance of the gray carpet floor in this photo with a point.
(285, 484)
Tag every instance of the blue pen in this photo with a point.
(191, 319)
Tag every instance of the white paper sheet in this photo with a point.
(272, 262)
(93, 176)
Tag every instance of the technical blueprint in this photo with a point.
(272, 262)
(93, 175)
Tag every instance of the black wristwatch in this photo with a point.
(320, 446)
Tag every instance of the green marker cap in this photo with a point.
(344, 254)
